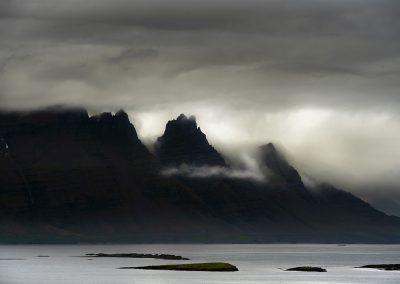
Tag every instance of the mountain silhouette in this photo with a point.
(279, 171)
(183, 142)
(70, 177)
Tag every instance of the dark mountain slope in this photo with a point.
(280, 171)
(61, 156)
(355, 218)
(68, 177)
(184, 143)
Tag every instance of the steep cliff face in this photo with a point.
(60, 157)
(280, 171)
(183, 142)
(66, 176)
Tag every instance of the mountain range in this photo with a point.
(70, 177)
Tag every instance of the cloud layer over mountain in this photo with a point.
(319, 77)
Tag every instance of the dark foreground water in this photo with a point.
(256, 263)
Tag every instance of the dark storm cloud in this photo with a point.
(277, 17)
(165, 15)
(276, 53)
(318, 76)
(323, 35)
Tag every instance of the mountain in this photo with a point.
(70, 177)
(280, 171)
(184, 143)
(63, 156)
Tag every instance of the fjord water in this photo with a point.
(257, 263)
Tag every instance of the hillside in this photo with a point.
(70, 177)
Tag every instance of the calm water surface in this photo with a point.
(256, 263)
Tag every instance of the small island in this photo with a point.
(388, 267)
(307, 269)
(209, 266)
(138, 255)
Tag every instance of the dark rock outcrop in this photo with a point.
(183, 142)
(278, 168)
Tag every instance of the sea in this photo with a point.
(257, 263)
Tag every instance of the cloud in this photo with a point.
(242, 166)
(133, 54)
(214, 171)
(318, 76)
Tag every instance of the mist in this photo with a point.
(317, 77)
(213, 171)
(243, 167)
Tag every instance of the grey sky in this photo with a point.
(319, 77)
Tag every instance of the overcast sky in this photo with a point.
(318, 77)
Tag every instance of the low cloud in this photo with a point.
(320, 77)
(249, 170)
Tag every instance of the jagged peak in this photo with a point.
(183, 120)
(122, 114)
(277, 163)
(270, 152)
(183, 117)
(271, 156)
(270, 145)
(183, 125)
(103, 116)
(269, 148)
(184, 142)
